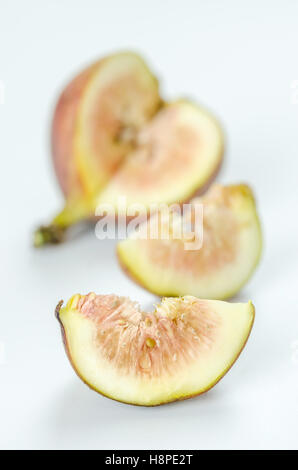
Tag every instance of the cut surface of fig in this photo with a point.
(175, 155)
(179, 350)
(113, 136)
(217, 269)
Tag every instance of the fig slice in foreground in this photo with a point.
(217, 269)
(179, 350)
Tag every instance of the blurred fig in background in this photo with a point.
(113, 135)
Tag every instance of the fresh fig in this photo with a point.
(180, 350)
(230, 251)
(112, 134)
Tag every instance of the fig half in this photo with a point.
(180, 350)
(230, 251)
(112, 135)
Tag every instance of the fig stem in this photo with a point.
(54, 233)
(48, 234)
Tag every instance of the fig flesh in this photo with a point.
(176, 155)
(180, 350)
(230, 251)
(113, 135)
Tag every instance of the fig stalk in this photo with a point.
(74, 212)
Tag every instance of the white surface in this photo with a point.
(237, 58)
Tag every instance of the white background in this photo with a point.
(239, 59)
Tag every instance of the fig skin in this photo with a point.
(176, 399)
(63, 132)
(71, 177)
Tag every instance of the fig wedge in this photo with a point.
(230, 251)
(180, 350)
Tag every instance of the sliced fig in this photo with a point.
(94, 127)
(176, 155)
(229, 253)
(112, 136)
(180, 350)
